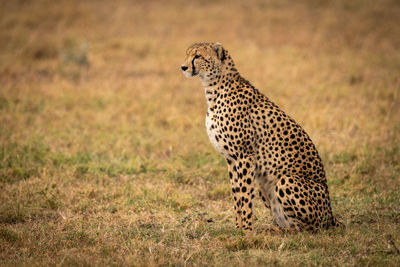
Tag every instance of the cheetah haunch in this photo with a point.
(262, 145)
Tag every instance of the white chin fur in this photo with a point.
(187, 74)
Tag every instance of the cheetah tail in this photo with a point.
(336, 223)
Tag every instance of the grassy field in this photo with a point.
(104, 157)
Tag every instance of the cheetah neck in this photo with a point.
(216, 83)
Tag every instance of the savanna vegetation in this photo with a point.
(104, 157)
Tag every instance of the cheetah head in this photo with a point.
(204, 59)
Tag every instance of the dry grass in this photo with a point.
(104, 159)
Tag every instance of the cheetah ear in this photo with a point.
(220, 51)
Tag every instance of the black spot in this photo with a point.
(281, 194)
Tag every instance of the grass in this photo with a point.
(104, 159)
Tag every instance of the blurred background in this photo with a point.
(104, 157)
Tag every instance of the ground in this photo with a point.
(104, 156)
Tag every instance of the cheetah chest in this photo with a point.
(214, 135)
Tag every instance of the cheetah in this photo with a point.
(262, 146)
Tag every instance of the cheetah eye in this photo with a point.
(196, 57)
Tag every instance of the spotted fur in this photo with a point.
(262, 145)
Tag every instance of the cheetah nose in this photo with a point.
(184, 67)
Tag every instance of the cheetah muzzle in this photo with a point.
(261, 145)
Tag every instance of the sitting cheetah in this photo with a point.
(260, 144)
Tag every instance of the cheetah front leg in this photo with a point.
(241, 173)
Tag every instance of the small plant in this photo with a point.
(75, 53)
